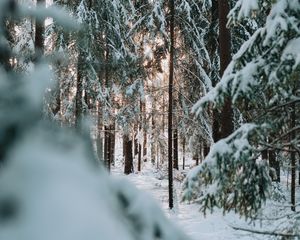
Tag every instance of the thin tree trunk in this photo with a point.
(99, 137)
(183, 153)
(145, 132)
(79, 93)
(197, 159)
(153, 129)
(127, 152)
(57, 105)
(293, 159)
(274, 163)
(139, 140)
(206, 149)
(136, 147)
(107, 135)
(107, 147)
(170, 109)
(175, 142)
(163, 115)
(139, 155)
(112, 143)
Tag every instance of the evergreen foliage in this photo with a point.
(262, 81)
(51, 185)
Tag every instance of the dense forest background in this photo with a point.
(207, 85)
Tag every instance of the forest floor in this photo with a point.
(213, 226)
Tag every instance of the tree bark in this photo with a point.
(170, 108)
(225, 58)
(39, 34)
(127, 152)
(145, 132)
(99, 137)
(112, 143)
(139, 140)
(153, 135)
(175, 142)
(79, 93)
(274, 163)
(107, 147)
(206, 149)
(212, 52)
(293, 160)
(183, 153)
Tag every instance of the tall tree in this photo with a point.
(170, 108)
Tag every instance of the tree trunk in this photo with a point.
(175, 142)
(145, 132)
(170, 109)
(225, 58)
(39, 34)
(139, 140)
(112, 143)
(139, 156)
(79, 93)
(196, 159)
(107, 135)
(206, 149)
(183, 153)
(100, 137)
(136, 147)
(127, 152)
(153, 135)
(107, 147)
(213, 46)
(293, 159)
(274, 163)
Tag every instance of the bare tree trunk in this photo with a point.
(213, 46)
(175, 142)
(139, 143)
(274, 163)
(79, 93)
(153, 135)
(112, 143)
(127, 152)
(136, 147)
(197, 159)
(139, 155)
(225, 58)
(206, 149)
(100, 137)
(107, 147)
(183, 153)
(145, 132)
(39, 34)
(293, 159)
(107, 127)
(170, 110)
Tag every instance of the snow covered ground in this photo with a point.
(214, 226)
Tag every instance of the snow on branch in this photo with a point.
(267, 59)
(232, 176)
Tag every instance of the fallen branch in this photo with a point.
(274, 233)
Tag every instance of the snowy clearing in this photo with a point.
(213, 226)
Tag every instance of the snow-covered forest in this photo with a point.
(149, 119)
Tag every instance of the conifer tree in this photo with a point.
(264, 68)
